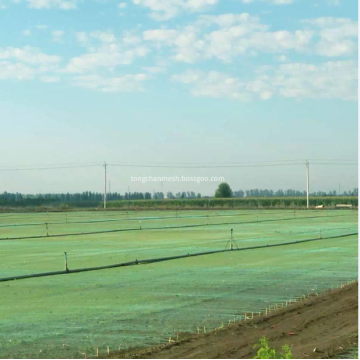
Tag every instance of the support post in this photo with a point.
(307, 184)
(66, 266)
(105, 187)
(231, 240)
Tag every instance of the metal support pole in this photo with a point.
(105, 187)
(231, 240)
(66, 267)
(307, 184)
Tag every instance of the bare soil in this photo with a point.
(319, 327)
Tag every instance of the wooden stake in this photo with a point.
(204, 330)
(108, 350)
(97, 352)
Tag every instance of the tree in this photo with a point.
(238, 194)
(223, 191)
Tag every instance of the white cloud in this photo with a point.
(15, 71)
(103, 36)
(213, 84)
(273, 2)
(330, 80)
(26, 32)
(107, 55)
(57, 35)
(240, 34)
(338, 36)
(47, 4)
(125, 83)
(29, 55)
(228, 36)
(122, 5)
(42, 27)
(186, 45)
(49, 79)
(26, 63)
(154, 69)
(82, 38)
(167, 9)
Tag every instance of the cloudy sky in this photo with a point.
(177, 81)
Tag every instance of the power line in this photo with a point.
(50, 165)
(49, 168)
(342, 160)
(216, 163)
(200, 166)
(334, 164)
(178, 165)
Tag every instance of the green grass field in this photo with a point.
(66, 315)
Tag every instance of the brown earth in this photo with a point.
(318, 327)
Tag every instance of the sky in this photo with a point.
(151, 82)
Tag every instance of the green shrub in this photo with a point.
(266, 352)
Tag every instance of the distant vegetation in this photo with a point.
(254, 199)
(288, 193)
(230, 203)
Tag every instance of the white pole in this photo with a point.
(105, 187)
(307, 183)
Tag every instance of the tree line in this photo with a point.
(86, 197)
(89, 198)
(288, 193)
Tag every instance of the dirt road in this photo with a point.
(319, 327)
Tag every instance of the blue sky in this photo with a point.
(182, 81)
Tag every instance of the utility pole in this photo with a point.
(105, 187)
(109, 187)
(307, 183)
(339, 190)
